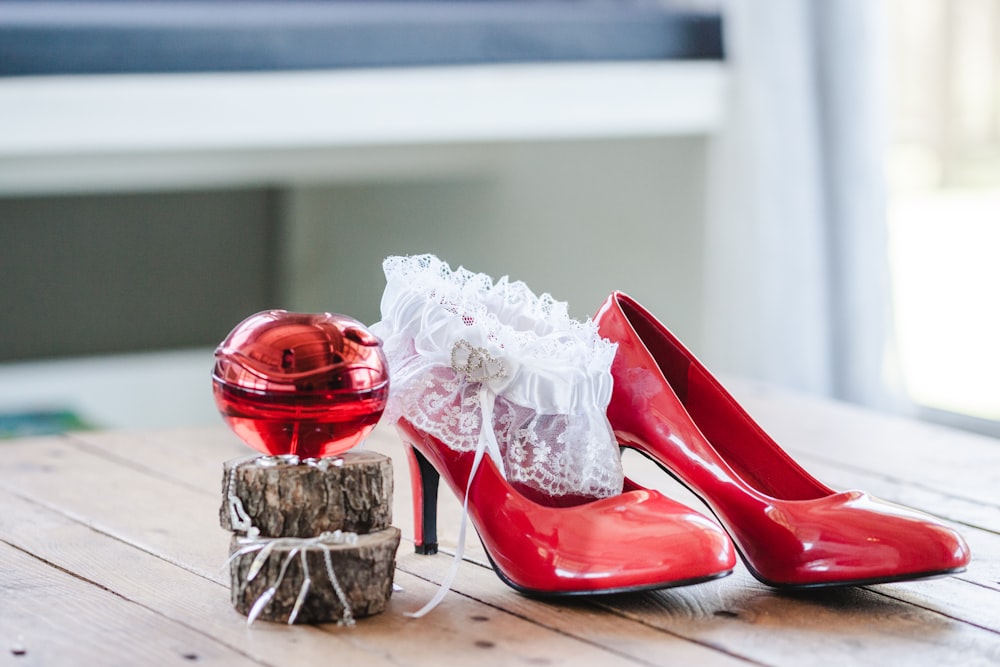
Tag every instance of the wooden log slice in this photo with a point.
(364, 573)
(352, 493)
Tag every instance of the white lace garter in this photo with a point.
(464, 351)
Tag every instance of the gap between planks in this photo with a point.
(988, 549)
(390, 638)
(657, 622)
(526, 639)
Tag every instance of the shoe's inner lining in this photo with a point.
(748, 450)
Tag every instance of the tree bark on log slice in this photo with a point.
(364, 572)
(351, 492)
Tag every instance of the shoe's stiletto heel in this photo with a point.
(424, 480)
(791, 530)
(504, 396)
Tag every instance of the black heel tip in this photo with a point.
(426, 549)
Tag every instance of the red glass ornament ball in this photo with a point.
(312, 385)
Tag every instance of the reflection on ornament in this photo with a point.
(305, 385)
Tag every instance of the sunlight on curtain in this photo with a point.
(944, 213)
(796, 258)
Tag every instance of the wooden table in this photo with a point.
(111, 554)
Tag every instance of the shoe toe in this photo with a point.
(853, 538)
(680, 543)
(921, 544)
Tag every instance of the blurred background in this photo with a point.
(807, 193)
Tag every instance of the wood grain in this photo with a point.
(351, 493)
(362, 574)
(105, 537)
(197, 603)
(51, 616)
(952, 462)
(467, 627)
(464, 628)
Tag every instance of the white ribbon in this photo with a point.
(296, 546)
(487, 442)
(264, 546)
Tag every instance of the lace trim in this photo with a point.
(509, 313)
(555, 454)
(448, 335)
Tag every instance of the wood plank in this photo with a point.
(49, 616)
(572, 616)
(152, 583)
(203, 606)
(987, 555)
(953, 599)
(737, 616)
(151, 513)
(202, 470)
(949, 598)
(533, 642)
(947, 460)
(941, 504)
(837, 626)
(703, 615)
(191, 457)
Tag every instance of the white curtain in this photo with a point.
(797, 289)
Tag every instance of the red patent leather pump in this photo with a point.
(790, 529)
(635, 541)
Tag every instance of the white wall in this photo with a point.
(577, 219)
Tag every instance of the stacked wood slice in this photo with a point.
(312, 540)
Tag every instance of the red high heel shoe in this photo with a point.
(790, 529)
(504, 395)
(610, 545)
